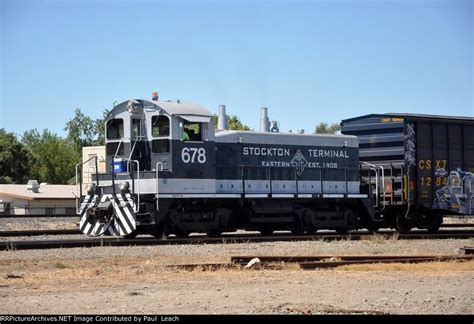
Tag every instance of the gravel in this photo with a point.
(290, 291)
(224, 251)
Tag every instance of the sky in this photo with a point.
(307, 61)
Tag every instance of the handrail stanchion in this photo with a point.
(160, 165)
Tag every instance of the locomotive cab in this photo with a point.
(143, 134)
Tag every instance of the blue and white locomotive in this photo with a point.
(170, 172)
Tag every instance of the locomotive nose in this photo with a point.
(108, 215)
(102, 213)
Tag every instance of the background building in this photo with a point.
(34, 199)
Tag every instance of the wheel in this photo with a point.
(350, 217)
(214, 233)
(342, 230)
(434, 224)
(297, 231)
(266, 230)
(131, 235)
(402, 224)
(371, 227)
(158, 231)
(181, 234)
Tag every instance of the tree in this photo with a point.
(84, 131)
(14, 158)
(233, 123)
(54, 158)
(324, 128)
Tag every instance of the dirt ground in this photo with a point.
(136, 280)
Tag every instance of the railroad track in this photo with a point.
(19, 233)
(40, 232)
(232, 238)
(451, 225)
(319, 261)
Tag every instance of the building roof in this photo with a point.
(45, 192)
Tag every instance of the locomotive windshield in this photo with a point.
(160, 126)
(115, 129)
(136, 128)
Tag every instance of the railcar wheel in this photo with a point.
(181, 234)
(342, 230)
(434, 225)
(371, 227)
(402, 224)
(214, 233)
(266, 230)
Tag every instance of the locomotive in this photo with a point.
(168, 171)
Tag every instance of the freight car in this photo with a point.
(169, 172)
(427, 163)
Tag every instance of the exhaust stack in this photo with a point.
(222, 118)
(264, 120)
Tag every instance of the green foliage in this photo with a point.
(14, 159)
(53, 158)
(233, 123)
(324, 128)
(84, 131)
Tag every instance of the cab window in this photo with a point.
(192, 131)
(136, 128)
(115, 129)
(160, 126)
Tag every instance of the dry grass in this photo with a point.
(382, 238)
(107, 271)
(445, 266)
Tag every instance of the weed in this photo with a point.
(60, 265)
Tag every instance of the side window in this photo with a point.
(136, 128)
(192, 131)
(115, 129)
(160, 126)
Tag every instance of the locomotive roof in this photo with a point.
(412, 116)
(173, 108)
(231, 136)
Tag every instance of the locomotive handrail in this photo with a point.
(158, 183)
(118, 147)
(374, 168)
(79, 190)
(133, 182)
(137, 139)
(383, 187)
